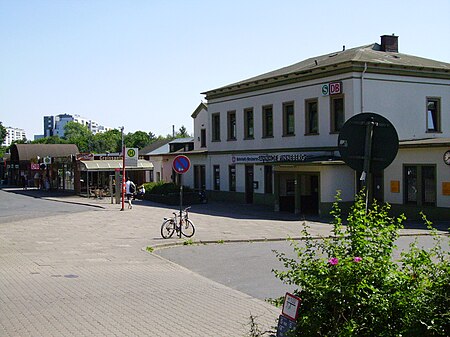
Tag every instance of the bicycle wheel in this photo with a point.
(167, 228)
(187, 228)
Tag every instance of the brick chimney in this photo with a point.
(389, 43)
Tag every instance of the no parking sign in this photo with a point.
(181, 164)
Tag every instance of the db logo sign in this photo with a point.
(335, 88)
(332, 88)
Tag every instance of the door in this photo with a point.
(309, 194)
(249, 184)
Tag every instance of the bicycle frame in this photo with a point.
(178, 220)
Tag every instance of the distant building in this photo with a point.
(14, 134)
(49, 124)
(54, 125)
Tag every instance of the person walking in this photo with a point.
(130, 188)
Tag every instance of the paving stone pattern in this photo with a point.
(88, 273)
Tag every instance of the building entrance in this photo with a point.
(309, 194)
(249, 184)
(298, 192)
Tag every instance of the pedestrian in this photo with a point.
(24, 181)
(141, 192)
(130, 188)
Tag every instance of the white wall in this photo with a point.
(296, 93)
(200, 122)
(402, 100)
(416, 157)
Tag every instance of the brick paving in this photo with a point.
(89, 274)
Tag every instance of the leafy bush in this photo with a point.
(350, 286)
(162, 187)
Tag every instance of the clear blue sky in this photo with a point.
(143, 64)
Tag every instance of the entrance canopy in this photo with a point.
(111, 165)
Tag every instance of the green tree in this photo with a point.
(3, 133)
(49, 140)
(80, 135)
(109, 141)
(138, 139)
(182, 132)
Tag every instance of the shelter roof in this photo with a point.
(29, 151)
(111, 165)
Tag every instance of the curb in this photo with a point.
(206, 242)
(74, 202)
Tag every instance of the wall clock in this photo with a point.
(447, 157)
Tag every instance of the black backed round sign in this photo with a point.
(352, 141)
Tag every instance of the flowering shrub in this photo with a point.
(350, 286)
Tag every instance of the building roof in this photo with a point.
(182, 140)
(29, 151)
(164, 149)
(153, 146)
(369, 57)
(201, 106)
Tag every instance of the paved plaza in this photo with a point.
(89, 274)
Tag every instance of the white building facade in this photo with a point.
(13, 134)
(272, 139)
(54, 125)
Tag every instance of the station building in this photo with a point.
(272, 139)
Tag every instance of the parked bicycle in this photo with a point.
(179, 223)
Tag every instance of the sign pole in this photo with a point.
(181, 201)
(368, 158)
(123, 173)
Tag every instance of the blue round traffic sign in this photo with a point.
(181, 164)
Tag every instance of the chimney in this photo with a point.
(389, 43)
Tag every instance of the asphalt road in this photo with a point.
(15, 206)
(247, 267)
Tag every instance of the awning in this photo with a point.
(111, 165)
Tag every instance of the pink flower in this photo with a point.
(333, 261)
(357, 259)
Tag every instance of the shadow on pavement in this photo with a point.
(223, 209)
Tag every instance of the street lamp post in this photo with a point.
(123, 171)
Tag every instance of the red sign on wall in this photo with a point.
(335, 88)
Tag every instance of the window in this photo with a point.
(267, 112)
(433, 115)
(311, 117)
(288, 119)
(232, 178)
(231, 125)
(248, 124)
(420, 185)
(337, 113)
(215, 127)
(216, 169)
(199, 177)
(203, 137)
(268, 189)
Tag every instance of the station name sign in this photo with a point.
(272, 157)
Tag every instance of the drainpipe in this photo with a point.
(362, 87)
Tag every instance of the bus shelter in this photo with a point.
(100, 178)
